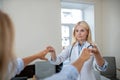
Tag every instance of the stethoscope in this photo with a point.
(90, 46)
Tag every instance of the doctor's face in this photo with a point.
(80, 33)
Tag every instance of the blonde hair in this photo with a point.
(86, 26)
(6, 46)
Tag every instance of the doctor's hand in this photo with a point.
(99, 59)
(52, 51)
(94, 50)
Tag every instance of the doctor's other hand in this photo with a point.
(52, 52)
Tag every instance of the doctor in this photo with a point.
(81, 39)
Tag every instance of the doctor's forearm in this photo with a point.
(99, 59)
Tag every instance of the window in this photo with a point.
(70, 16)
(65, 36)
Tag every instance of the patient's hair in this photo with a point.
(7, 57)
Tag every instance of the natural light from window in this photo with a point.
(70, 16)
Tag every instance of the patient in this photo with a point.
(10, 65)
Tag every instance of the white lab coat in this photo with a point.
(86, 72)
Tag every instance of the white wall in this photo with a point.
(111, 29)
(37, 24)
(1, 4)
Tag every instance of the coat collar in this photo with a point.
(85, 43)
